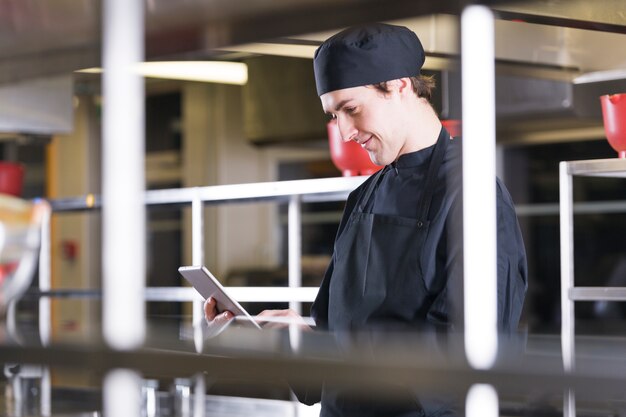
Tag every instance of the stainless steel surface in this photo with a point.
(360, 361)
(603, 15)
(39, 107)
(49, 38)
(598, 168)
(597, 294)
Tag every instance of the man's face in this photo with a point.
(370, 118)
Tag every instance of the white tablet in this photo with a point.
(208, 286)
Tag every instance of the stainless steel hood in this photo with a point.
(541, 46)
(42, 38)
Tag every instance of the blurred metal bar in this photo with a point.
(46, 392)
(183, 294)
(197, 244)
(597, 294)
(199, 396)
(197, 231)
(567, 281)
(295, 248)
(375, 372)
(320, 190)
(45, 320)
(123, 179)
(591, 207)
(615, 167)
(122, 393)
(479, 186)
(242, 294)
(481, 401)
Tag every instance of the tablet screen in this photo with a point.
(208, 286)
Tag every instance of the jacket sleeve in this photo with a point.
(512, 267)
(446, 310)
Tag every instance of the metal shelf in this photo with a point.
(569, 292)
(598, 168)
(314, 190)
(597, 294)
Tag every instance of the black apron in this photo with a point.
(377, 277)
(377, 282)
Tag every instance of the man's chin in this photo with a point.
(376, 160)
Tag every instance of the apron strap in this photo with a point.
(436, 160)
(373, 185)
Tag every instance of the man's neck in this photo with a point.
(423, 130)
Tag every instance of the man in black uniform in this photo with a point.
(397, 261)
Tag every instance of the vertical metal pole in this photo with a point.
(294, 227)
(45, 280)
(566, 212)
(197, 255)
(46, 392)
(197, 258)
(123, 198)
(123, 191)
(482, 401)
(197, 228)
(294, 237)
(479, 186)
(122, 393)
(199, 408)
(45, 308)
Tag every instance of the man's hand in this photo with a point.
(217, 321)
(278, 319)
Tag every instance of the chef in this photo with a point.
(397, 260)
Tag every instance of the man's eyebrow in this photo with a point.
(342, 103)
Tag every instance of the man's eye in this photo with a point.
(331, 116)
(350, 110)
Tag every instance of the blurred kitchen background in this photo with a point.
(554, 60)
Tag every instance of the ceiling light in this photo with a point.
(203, 71)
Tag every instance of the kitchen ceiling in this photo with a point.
(41, 38)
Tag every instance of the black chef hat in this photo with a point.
(364, 55)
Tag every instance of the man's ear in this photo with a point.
(401, 85)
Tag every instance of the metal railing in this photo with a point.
(292, 192)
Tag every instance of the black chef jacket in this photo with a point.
(398, 194)
(438, 302)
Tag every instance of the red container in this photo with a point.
(453, 127)
(348, 156)
(11, 178)
(614, 115)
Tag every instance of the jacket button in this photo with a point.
(420, 224)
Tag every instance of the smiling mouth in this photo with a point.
(365, 142)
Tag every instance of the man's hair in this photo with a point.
(423, 86)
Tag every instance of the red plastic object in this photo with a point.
(453, 126)
(614, 115)
(348, 157)
(11, 178)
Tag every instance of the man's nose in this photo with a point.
(347, 130)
